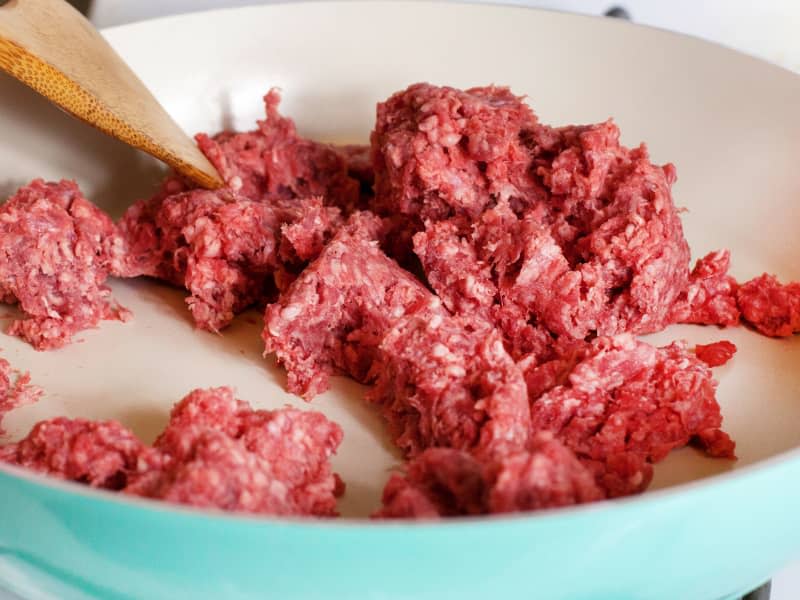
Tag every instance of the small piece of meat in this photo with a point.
(439, 151)
(15, 390)
(98, 453)
(56, 251)
(440, 482)
(223, 454)
(224, 249)
(715, 354)
(445, 482)
(548, 475)
(448, 381)
(216, 452)
(627, 405)
(332, 318)
(710, 298)
(771, 307)
(275, 163)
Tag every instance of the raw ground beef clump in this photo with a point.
(444, 482)
(621, 406)
(563, 230)
(771, 307)
(56, 251)
(274, 163)
(334, 316)
(216, 452)
(627, 404)
(445, 381)
(710, 298)
(227, 251)
(15, 390)
(235, 247)
(440, 152)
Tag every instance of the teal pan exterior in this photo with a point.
(702, 541)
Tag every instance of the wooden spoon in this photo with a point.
(51, 47)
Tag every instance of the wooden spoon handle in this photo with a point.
(51, 47)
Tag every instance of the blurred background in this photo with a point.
(764, 28)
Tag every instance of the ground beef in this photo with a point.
(443, 482)
(549, 366)
(715, 354)
(101, 454)
(564, 228)
(15, 390)
(627, 404)
(448, 381)
(216, 452)
(332, 318)
(274, 163)
(548, 475)
(56, 251)
(710, 298)
(223, 454)
(439, 152)
(226, 250)
(438, 482)
(771, 307)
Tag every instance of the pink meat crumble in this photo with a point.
(440, 152)
(445, 381)
(274, 163)
(444, 482)
(334, 316)
(769, 306)
(558, 228)
(216, 452)
(715, 354)
(232, 248)
(710, 298)
(56, 251)
(227, 251)
(15, 390)
(627, 404)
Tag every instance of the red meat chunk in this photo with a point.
(275, 163)
(771, 307)
(101, 454)
(444, 482)
(440, 482)
(715, 354)
(216, 452)
(627, 404)
(710, 298)
(564, 228)
(15, 390)
(548, 475)
(332, 318)
(221, 453)
(449, 382)
(227, 251)
(56, 251)
(439, 152)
